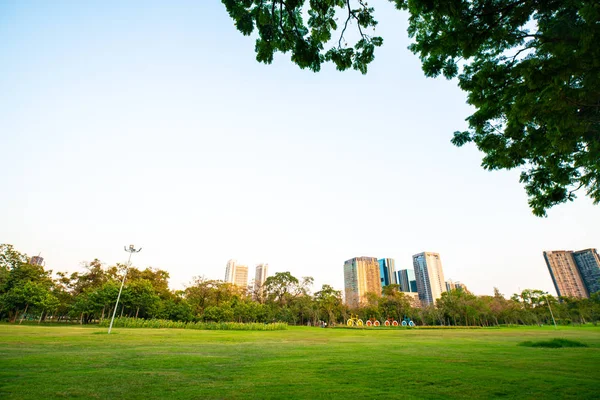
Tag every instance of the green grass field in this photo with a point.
(85, 362)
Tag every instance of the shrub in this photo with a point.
(126, 322)
(553, 344)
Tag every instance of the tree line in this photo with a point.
(32, 293)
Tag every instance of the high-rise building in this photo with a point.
(565, 274)
(429, 276)
(36, 260)
(451, 285)
(413, 286)
(236, 274)
(230, 270)
(361, 276)
(260, 277)
(588, 264)
(406, 280)
(387, 271)
(241, 276)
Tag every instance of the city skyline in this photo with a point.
(116, 132)
(405, 278)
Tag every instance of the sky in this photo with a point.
(151, 123)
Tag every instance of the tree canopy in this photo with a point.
(31, 293)
(531, 69)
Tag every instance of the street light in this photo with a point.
(549, 308)
(130, 250)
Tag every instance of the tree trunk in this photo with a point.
(41, 315)
(137, 312)
(24, 312)
(102, 317)
(81, 319)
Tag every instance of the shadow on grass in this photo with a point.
(553, 344)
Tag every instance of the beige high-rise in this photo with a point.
(565, 274)
(236, 274)
(361, 276)
(430, 277)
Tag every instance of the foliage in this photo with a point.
(329, 303)
(530, 68)
(282, 26)
(126, 322)
(553, 343)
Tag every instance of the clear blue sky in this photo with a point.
(151, 123)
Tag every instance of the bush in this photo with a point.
(126, 322)
(553, 344)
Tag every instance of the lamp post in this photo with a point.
(130, 250)
(550, 308)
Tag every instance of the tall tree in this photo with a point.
(23, 286)
(329, 302)
(529, 67)
(281, 287)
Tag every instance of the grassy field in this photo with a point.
(85, 362)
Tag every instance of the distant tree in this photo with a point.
(176, 308)
(329, 302)
(23, 286)
(370, 306)
(24, 295)
(95, 276)
(158, 279)
(48, 303)
(222, 313)
(143, 297)
(530, 69)
(281, 287)
(394, 303)
(9, 260)
(199, 294)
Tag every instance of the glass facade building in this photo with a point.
(387, 271)
(413, 286)
(430, 277)
(406, 280)
(588, 264)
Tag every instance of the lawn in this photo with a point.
(85, 362)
